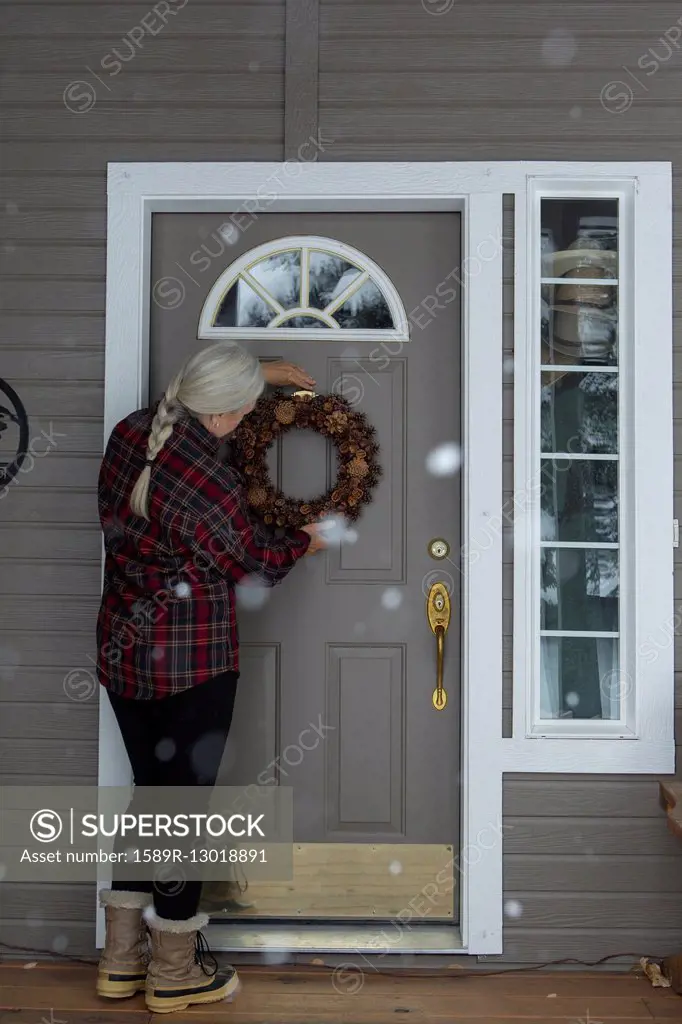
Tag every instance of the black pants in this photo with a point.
(176, 741)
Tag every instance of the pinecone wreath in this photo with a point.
(333, 417)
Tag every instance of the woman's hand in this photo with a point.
(280, 374)
(317, 541)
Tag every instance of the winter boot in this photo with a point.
(123, 966)
(183, 971)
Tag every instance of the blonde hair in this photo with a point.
(221, 378)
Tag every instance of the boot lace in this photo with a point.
(202, 953)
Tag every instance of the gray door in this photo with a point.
(339, 663)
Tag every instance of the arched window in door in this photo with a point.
(304, 288)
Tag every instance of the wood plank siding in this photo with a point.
(589, 868)
(209, 86)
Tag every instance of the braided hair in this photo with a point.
(219, 379)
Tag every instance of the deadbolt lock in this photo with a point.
(439, 548)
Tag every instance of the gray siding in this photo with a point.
(210, 86)
(587, 859)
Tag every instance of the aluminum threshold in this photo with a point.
(376, 939)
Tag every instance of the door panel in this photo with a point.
(343, 649)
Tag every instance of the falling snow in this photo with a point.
(157, 653)
(444, 460)
(559, 48)
(335, 528)
(251, 594)
(60, 943)
(165, 749)
(392, 598)
(395, 867)
(572, 699)
(182, 590)
(206, 753)
(275, 956)
(360, 628)
(229, 233)
(513, 908)
(350, 537)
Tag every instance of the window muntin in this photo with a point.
(308, 286)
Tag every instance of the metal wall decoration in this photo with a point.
(14, 433)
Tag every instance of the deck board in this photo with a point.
(300, 995)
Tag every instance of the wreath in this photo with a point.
(330, 415)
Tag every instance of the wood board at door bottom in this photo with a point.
(352, 880)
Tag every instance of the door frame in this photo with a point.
(138, 190)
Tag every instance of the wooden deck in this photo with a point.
(63, 994)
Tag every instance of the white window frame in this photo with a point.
(371, 270)
(137, 191)
(646, 726)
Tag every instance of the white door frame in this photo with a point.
(245, 190)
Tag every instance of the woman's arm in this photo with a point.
(280, 374)
(229, 539)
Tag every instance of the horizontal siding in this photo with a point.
(138, 125)
(67, 53)
(193, 20)
(82, 157)
(208, 86)
(587, 945)
(444, 90)
(567, 796)
(72, 614)
(23, 686)
(252, 90)
(27, 543)
(51, 334)
(45, 721)
(343, 20)
(589, 836)
(49, 578)
(622, 873)
(20, 757)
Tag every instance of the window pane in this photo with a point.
(579, 412)
(578, 225)
(576, 335)
(579, 500)
(579, 677)
(329, 277)
(579, 243)
(366, 308)
(280, 275)
(579, 590)
(242, 307)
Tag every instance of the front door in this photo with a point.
(339, 662)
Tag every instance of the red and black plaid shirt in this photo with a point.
(167, 619)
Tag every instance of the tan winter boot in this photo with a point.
(179, 975)
(123, 966)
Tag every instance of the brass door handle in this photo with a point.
(438, 615)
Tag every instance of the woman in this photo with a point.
(178, 538)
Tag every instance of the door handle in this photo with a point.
(438, 615)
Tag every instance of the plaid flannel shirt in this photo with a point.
(167, 619)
